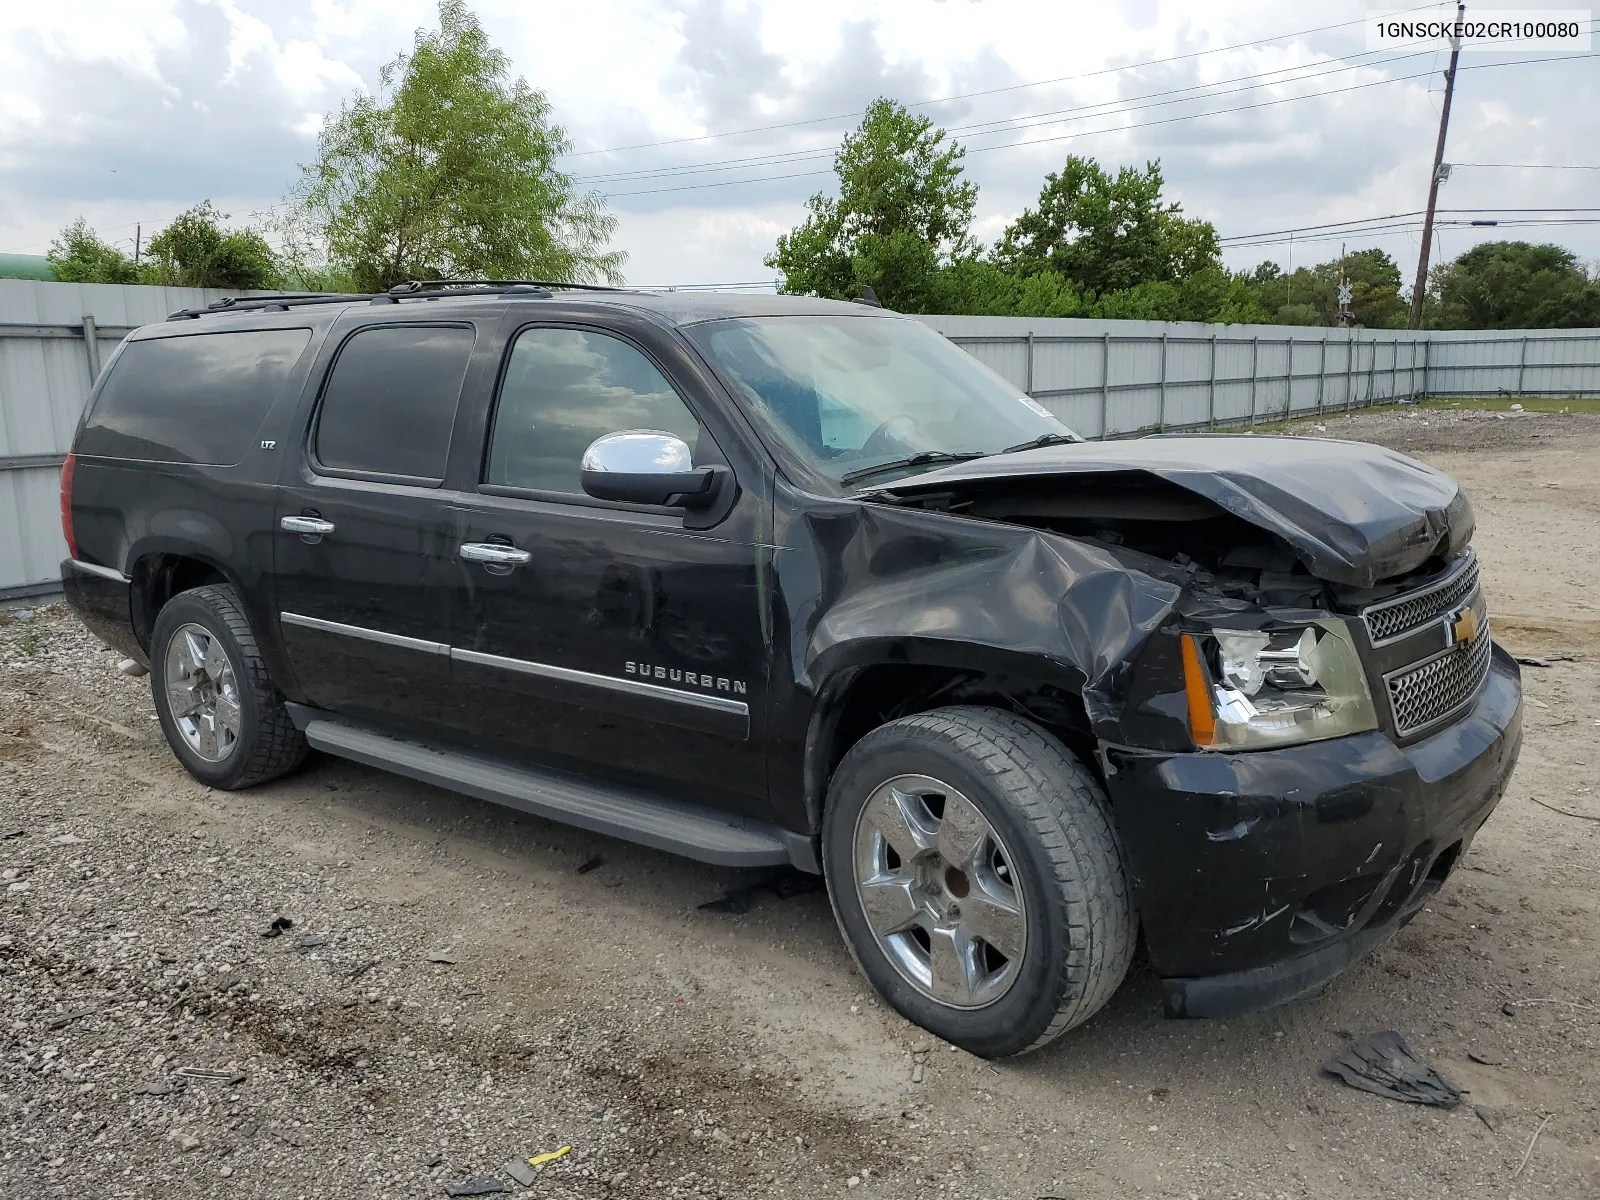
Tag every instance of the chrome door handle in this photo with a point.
(310, 529)
(494, 554)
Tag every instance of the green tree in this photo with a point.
(79, 256)
(1513, 285)
(450, 173)
(901, 218)
(195, 251)
(1106, 233)
(1310, 295)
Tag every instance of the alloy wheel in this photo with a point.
(202, 692)
(939, 890)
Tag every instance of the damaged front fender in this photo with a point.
(875, 583)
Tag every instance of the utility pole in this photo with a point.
(1344, 315)
(1439, 172)
(137, 230)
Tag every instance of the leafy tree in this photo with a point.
(1513, 285)
(901, 218)
(195, 251)
(1106, 233)
(79, 256)
(1310, 295)
(451, 172)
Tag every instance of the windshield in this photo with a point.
(865, 400)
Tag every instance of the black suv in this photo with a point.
(768, 580)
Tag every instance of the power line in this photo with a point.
(705, 137)
(1121, 128)
(1456, 166)
(1007, 124)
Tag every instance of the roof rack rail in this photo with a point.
(229, 304)
(418, 285)
(419, 289)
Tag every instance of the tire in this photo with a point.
(265, 743)
(1049, 865)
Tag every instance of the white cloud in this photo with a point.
(129, 110)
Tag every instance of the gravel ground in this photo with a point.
(454, 991)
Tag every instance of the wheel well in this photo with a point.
(875, 695)
(157, 578)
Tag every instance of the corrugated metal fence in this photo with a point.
(1103, 378)
(53, 338)
(1120, 378)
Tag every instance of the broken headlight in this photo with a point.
(1252, 688)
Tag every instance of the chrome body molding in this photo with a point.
(611, 682)
(103, 572)
(360, 631)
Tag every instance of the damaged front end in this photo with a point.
(1284, 657)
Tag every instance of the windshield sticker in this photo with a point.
(1029, 402)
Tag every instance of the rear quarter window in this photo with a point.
(200, 398)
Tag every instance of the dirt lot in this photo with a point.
(683, 1052)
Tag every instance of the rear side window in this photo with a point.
(563, 389)
(391, 400)
(195, 399)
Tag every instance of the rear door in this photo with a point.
(363, 527)
(614, 639)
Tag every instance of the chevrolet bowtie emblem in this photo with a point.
(1464, 627)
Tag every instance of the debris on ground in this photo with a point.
(309, 943)
(1565, 812)
(1532, 1142)
(783, 885)
(592, 864)
(1488, 1116)
(279, 924)
(520, 1171)
(1383, 1064)
(482, 1185)
(360, 970)
(539, 1160)
(210, 1075)
(66, 1019)
(442, 956)
(1487, 1060)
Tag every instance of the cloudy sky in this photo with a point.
(708, 122)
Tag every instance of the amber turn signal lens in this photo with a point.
(1202, 722)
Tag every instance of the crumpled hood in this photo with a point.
(1355, 513)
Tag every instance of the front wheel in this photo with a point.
(976, 875)
(222, 715)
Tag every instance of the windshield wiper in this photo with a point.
(1044, 439)
(921, 458)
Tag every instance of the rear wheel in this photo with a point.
(222, 715)
(976, 875)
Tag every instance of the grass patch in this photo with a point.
(1539, 404)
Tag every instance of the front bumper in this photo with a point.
(1260, 876)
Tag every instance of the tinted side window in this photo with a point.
(194, 399)
(390, 401)
(563, 388)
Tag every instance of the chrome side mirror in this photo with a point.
(646, 466)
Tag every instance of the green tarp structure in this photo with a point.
(25, 266)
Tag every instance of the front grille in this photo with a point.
(1440, 687)
(1396, 618)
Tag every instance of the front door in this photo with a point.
(363, 532)
(604, 637)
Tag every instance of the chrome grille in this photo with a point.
(1396, 618)
(1438, 688)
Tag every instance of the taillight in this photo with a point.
(66, 505)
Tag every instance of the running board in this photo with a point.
(633, 815)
